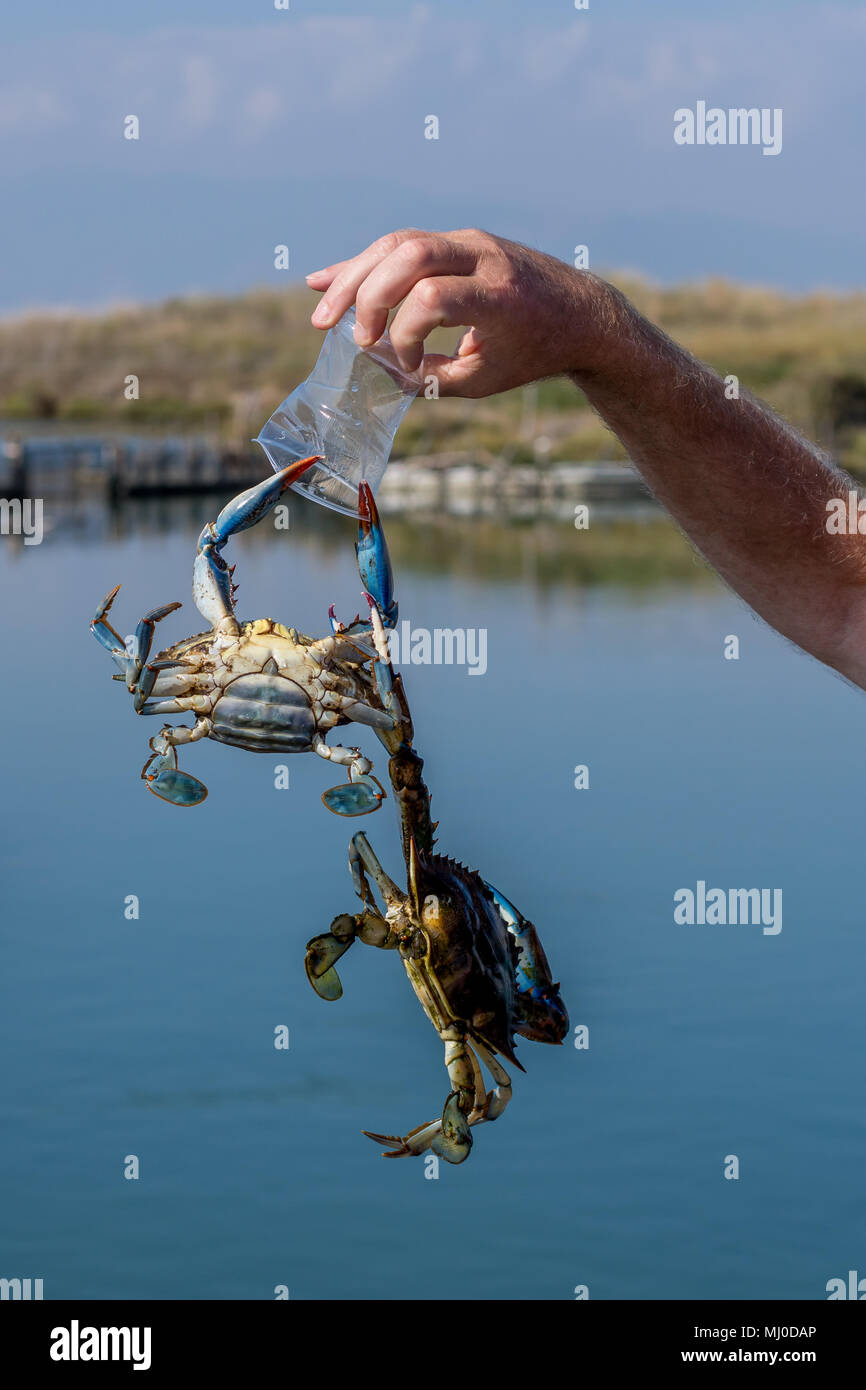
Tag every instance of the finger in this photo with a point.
(456, 376)
(321, 279)
(350, 274)
(420, 257)
(469, 343)
(445, 301)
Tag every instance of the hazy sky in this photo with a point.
(306, 127)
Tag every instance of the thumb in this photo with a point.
(455, 376)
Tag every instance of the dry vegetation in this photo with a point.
(225, 363)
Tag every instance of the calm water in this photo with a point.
(155, 1037)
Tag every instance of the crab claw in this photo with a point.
(106, 603)
(355, 798)
(249, 507)
(374, 562)
(212, 587)
(336, 625)
(105, 633)
(165, 780)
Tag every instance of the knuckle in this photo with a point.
(363, 299)
(416, 253)
(429, 294)
(386, 245)
(337, 284)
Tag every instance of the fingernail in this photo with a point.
(321, 312)
(313, 273)
(363, 336)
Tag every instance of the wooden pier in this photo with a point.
(48, 466)
(122, 467)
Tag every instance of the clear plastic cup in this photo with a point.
(348, 409)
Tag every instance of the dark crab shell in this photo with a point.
(471, 954)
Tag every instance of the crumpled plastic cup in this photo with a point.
(348, 410)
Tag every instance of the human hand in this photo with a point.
(528, 315)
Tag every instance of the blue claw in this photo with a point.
(249, 507)
(354, 798)
(374, 562)
(212, 586)
(106, 635)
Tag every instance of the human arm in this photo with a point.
(749, 491)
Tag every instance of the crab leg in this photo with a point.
(178, 734)
(449, 1137)
(324, 951)
(355, 710)
(161, 773)
(395, 733)
(344, 756)
(212, 579)
(142, 640)
(454, 1140)
(129, 656)
(392, 724)
(496, 1100)
(178, 704)
(150, 678)
(361, 858)
(384, 672)
(155, 682)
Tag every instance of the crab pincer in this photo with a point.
(249, 507)
(374, 562)
(212, 585)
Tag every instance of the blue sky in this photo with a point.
(306, 127)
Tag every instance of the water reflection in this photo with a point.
(155, 1036)
(631, 544)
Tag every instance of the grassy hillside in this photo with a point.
(224, 364)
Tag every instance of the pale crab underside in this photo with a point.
(261, 686)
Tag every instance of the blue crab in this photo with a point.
(475, 962)
(259, 685)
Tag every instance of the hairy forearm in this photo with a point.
(748, 490)
(750, 493)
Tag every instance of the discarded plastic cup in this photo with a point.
(348, 409)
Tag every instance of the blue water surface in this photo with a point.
(155, 1037)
